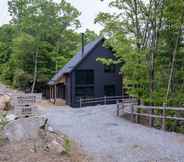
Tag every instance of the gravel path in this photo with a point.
(112, 139)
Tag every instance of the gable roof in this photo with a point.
(70, 66)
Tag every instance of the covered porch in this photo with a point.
(57, 92)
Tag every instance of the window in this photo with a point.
(84, 77)
(109, 68)
(109, 90)
(86, 92)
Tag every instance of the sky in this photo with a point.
(88, 8)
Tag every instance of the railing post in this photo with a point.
(132, 113)
(163, 117)
(137, 115)
(80, 102)
(150, 117)
(118, 108)
(105, 100)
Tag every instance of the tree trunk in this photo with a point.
(172, 66)
(35, 71)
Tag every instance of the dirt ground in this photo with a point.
(26, 152)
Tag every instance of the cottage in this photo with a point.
(84, 77)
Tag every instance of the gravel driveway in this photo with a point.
(111, 139)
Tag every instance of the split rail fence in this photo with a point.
(137, 111)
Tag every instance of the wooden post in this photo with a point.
(80, 102)
(151, 118)
(105, 100)
(132, 111)
(55, 93)
(138, 111)
(50, 93)
(137, 116)
(118, 109)
(163, 116)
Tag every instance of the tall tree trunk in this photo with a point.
(172, 66)
(138, 44)
(56, 70)
(35, 71)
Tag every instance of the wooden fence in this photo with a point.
(24, 104)
(105, 100)
(136, 111)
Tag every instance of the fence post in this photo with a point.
(105, 100)
(163, 116)
(137, 115)
(151, 112)
(80, 102)
(118, 108)
(132, 113)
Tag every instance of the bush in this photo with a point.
(3, 122)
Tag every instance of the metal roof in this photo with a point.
(75, 60)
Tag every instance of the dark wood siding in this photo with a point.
(101, 78)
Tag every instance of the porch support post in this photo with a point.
(50, 93)
(55, 93)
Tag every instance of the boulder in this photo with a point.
(56, 147)
(11, 117)
(23, 129)
(5, 103)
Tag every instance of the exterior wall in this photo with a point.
(101, 78)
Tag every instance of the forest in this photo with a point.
(146, 35)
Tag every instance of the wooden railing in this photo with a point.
(104, 100)
(135, 112)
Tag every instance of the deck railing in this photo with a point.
(136, 111)
(105, 100)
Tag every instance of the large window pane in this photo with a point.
(84, 77)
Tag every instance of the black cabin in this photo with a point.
(84, 77)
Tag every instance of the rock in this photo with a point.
(5, 103)
(23, 129)
(56, 147)
(11, 117)
(50, 129)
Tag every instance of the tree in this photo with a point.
(142, 34)
(45, 34)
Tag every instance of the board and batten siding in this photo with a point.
(101, 78)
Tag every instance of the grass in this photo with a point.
(3, 122)
(67, 145)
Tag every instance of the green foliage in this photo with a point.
(67, 145)
(143, 35)
(43, 27)
(39, 30)
(3, 120)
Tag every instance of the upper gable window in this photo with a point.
(109, 68)
(84, 77)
